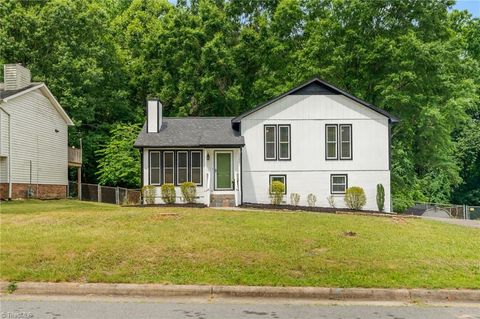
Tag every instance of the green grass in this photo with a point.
(89, 242)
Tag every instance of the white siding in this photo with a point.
(308, 171)
(3, 169)
(34, 121)
(3, 133)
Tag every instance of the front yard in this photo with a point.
(90, 242)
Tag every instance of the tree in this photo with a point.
(119, 163)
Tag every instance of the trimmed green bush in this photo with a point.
(169, 195)
(380, 197)
(294, 198)
(148, 192)
(311, 199)
(331, 201)
(189, 192)
(355, 198)
(277, 191)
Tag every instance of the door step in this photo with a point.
(222, 200)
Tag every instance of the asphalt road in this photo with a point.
(106, 308)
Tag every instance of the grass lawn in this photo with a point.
(90, 242)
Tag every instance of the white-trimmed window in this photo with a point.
(182, 167)
(155, 168)
(284, 142)
(331, 145)
(270, 137)
(338, 183)
(168, 167)
(279, 178)
(345, 141)
(196, 167)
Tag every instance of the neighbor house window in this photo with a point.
(279, 178)
(331, 144)
(168, 167)
(182, 167)
(196, 167)
(270, 136)
(338, 183)
(284, 142)
(345, 141)
(155, 168)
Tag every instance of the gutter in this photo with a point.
(9, 154)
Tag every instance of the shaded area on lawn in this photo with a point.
(90, 242)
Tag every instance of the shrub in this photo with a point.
(148, 192)
(380, 197)
(169, 196)
(294, 199)
(331, 201)
(355, 197)
(311, 199)
(189, 192)
(277, 191)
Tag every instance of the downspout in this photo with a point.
(9, 154)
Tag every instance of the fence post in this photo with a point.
(99, 193)
(117, 195)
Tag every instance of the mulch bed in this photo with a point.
(196, 205)
(316, 209)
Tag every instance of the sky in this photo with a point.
(472, 6)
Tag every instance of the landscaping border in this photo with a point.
(159, 290)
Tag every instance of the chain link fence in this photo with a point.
(445, 210)
(104, 194)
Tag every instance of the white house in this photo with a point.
(315, 138)
(33, 138)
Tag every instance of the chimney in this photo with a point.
(16, 77)
(154, 115)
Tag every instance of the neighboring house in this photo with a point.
(33, 138)
(314, 138)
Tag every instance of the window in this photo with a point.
(338, 184)
(270, 142)
(284, 142)
(182, 167)
(196, 167)
(345, 141)
(154, 168)
(168, 167)
(280, 178)
(331, 141)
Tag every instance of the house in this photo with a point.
(33, 138)
(315, 138)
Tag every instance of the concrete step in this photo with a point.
(217, 200)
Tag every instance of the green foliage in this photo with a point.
(189, 192)
(420, 60)
(311, 200)
(294, 199)
(277, 191)
(169, 195)
(380, 197)
(355, 198)
(12, 287)
(149, 193)
(331, 201)
(119, 163)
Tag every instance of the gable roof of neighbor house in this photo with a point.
(192, 132)
(316, 86)
(7, 95)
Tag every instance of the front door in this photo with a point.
(223, 171)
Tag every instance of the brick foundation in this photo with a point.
(42, 191)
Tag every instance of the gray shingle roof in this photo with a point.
(4, 93)
(192, 132)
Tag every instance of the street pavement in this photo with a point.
(58, 307)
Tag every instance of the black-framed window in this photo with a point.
(168, 167)
(331, 142)
(270, 142)
(279, 178)
(284, 142)
(196, 167)
(345, 133)
(338, 183)
(182, 167)
(155, 168)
